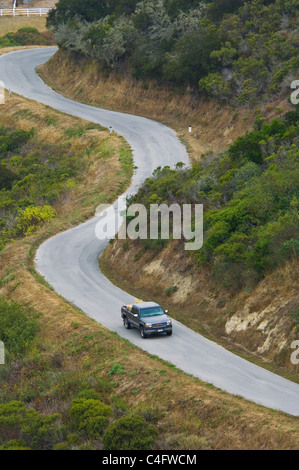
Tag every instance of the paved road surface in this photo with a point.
(69, 261)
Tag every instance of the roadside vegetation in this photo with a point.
(44, 158)
(235, 51)
(250, 195)
(88, 410)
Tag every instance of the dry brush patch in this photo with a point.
(11, 24)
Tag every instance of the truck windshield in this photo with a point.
(151, 311)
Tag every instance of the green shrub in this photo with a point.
(38, 170)
(32, 218)
(116, 369)
(15, 444)
(130, 432)
(35, 430)
(7, 177)
(41, 432)
(171, 290)
(62, 446)
(12, 140)
(88, 394)
(90, 416)
(75, 131)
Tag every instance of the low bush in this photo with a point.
(89, 415)
(32, 218)
(130, 432)
(23, 427)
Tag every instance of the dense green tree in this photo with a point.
(174, 7)
(218, 8)
(66, 10)
(190, 59)
(89, 10)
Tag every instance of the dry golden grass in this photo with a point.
(11, 24)
(6, 3)
(101, 178)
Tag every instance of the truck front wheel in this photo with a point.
(142, 333)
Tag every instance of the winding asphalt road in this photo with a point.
(69, 261)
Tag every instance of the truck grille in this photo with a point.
(159, 325)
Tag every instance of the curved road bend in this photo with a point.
(69, 261)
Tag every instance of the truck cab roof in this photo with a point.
(146, 305)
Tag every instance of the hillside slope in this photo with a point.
(258, 321)
(74, 358)
(214, 125)
(256, 324)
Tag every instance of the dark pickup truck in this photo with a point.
(148, 317)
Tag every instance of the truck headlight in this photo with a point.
(169, 322)
(148, 325)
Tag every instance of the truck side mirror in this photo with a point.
(166, 311)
